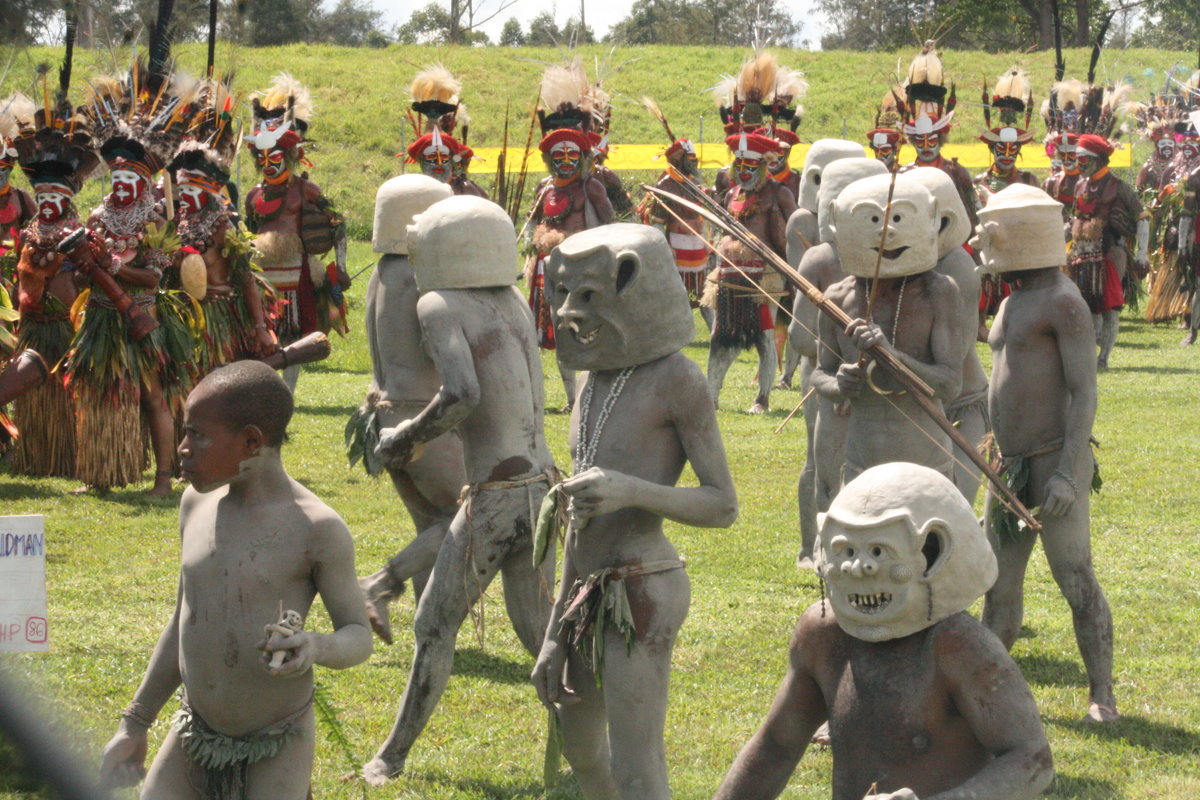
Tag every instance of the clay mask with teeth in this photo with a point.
(900, 549)
(911, 244)
(617, 298)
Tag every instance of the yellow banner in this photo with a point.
(627, 157)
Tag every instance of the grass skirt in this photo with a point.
(46, 415)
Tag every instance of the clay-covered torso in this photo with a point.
(402, 369)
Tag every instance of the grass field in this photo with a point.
(113, 559)
(113, 565)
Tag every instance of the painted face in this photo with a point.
(886, 153)
(566, 159)
(1070, 164)
(435, 162)
(272, 165)
(1004, 154)
(211, 451)
(1165, 147)
(1087, 164)
(127, 187)
(617, 298)
(6, 167)
(52, 205)
(777, 162)
(899, 551)
(192, 199)
(1190, 148)
(749, 172)
(928, 146)
(910, 246)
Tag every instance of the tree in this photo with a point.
(511, 34)
(350, 23)
(274, 22)
(1169, 24)
(543, 31)
(428, 25)
(575, 32)
(708, 22)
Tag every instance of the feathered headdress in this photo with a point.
(763, 94)
(1013, 100)
(281, 118)
(887, 120)
(678, 148)
(927, 107)
(435, 98)
(566, 98)
(211, 141)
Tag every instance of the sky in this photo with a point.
(600, 16)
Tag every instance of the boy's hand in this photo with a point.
(903, 794)
(124, 761)
(597, 491)
(301, 647)
(548, 673)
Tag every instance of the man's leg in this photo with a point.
(173, 775)
(807, 488)
(162, 436)
(568, 382)
(291, 376)
(528, 591)
(1110, 324)
(584, 729)
(766, 371)
(466, 564)
(720, 359)
(1004, 603)
(972, 424)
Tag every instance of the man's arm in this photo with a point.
(444, 341)
(833, 378)
(987, 688)
(1072, 327)
(761, 771)
(712, 504)
(333, 573)
(597, 196)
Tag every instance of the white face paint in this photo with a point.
(51, 205)
(127, 186)
(192, 198)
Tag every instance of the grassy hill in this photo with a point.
(361, 95)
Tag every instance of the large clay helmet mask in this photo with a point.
(617, 298)
(954, 226)
(397, 202)
(462, 242)
(899, 550)
(858, 219)
(822, 153)
(1020, 229)
(836, 177)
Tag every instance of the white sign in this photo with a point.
(23, 584)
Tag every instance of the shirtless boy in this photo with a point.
(1043, 402)
(480, 334)
(623, 315)
(251, 539)
(922, 701)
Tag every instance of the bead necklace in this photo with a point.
(585, 448)
(899, 304)
(196, 228)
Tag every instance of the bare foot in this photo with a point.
(822, 735)
(78, 490)
(784, 383)
(1099, 713)
(377, 600)
(378, 771)
(1188, 340)
(757, 408)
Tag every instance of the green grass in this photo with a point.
(113, 560)
(113, 563)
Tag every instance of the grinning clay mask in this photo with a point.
(900, 549)
(954, 226)
(822, 153)
(836, 177)
(1020, 228)
(396, 203)
(857, 225)
(617, 298)
(463, 242)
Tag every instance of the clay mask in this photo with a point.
(836, 177)
(617, 298)
(1020, 228)
(900, 549)
(463, 242)
(396, 203)
(822, 153)
(911, 243)
(953, 224)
